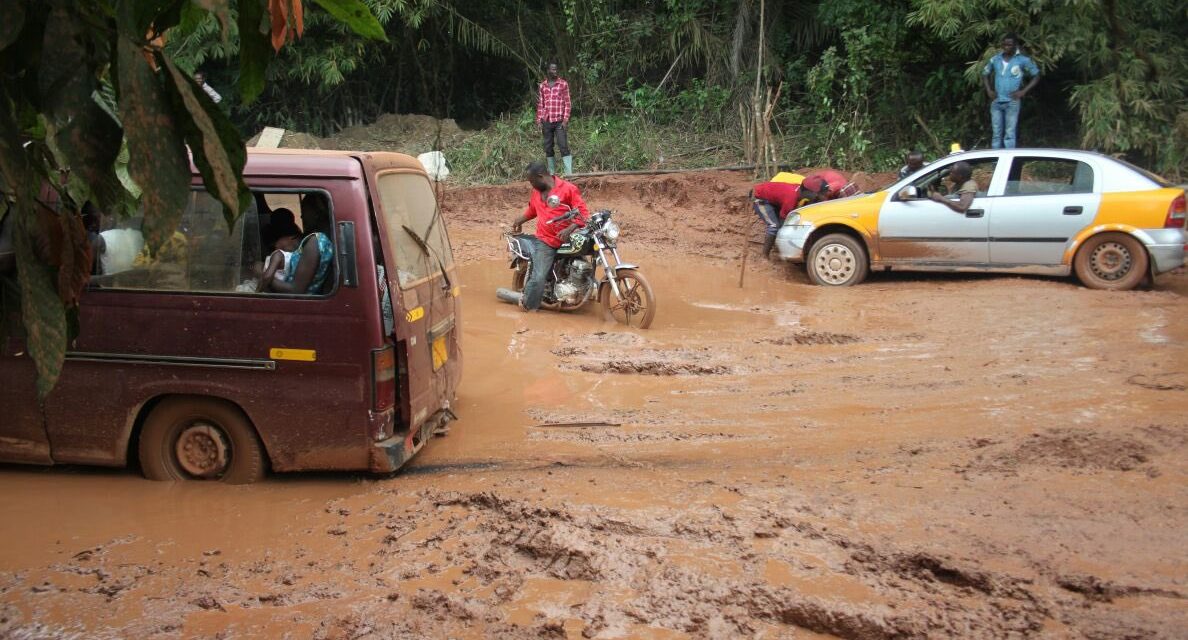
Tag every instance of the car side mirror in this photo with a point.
(908, 193)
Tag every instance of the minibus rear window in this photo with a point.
(411, 217)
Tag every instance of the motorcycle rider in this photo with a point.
(552, 197)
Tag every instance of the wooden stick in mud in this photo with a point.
(742, 271)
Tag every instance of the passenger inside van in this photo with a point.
(283, 236)
(311, 266)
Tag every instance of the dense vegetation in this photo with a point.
(860, 82)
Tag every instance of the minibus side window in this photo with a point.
(202, 256)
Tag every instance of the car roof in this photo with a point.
(1119, 167)
(1042, 151)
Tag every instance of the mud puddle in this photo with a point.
(918, 458)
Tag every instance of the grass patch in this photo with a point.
(612, 142)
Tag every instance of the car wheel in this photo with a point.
(1113, 261)
(187, 438)
(837, 260)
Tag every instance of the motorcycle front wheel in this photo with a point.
(637, 305)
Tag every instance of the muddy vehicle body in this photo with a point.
(183, 368)
(1037, 211)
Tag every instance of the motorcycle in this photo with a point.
(622, 290)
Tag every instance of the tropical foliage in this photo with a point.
(94, 109)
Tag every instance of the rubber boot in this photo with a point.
(768, 243)
(568, 160)
(552, 165)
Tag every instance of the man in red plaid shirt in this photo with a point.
(552, 114)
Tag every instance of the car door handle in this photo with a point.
(1073, 211)
(975, 213)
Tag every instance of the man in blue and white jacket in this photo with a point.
(1008, 69)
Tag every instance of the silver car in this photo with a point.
(1042, 211)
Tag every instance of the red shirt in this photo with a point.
(834, 179)
(539, 209)
(785, 196)
(552, 102)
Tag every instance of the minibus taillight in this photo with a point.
(1176, 214)
(383, 379)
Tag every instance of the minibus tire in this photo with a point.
(217, 423)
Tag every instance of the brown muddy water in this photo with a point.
(920, 456)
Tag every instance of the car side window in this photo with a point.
(938, 181)
(1046, 176)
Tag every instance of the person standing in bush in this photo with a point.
(1007, 90)
(552, 114)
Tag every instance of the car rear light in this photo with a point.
(1177, 213)
(383, 379)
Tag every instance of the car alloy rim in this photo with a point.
(1110, 261)
(202, 450)
(835, 263)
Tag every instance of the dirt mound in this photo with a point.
(406, 133)
(817, 337)
(291, 140)
(1073, 449)
(654, 368)
(699, 212)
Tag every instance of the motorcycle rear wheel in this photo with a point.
(637, 308)
(519, 276)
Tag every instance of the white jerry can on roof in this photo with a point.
(435, 165)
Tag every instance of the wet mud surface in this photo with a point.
(919, 456)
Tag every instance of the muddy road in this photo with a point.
(919, 456)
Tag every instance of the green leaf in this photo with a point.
(88, 146)
(357, 16)
(121, 169)
(218, 150)
(41, 309)
(158, 155)
(255, 51)
(12, 20)
(65, 78)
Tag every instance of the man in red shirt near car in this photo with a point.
(552, 114)
(551, 198)
(773, 201)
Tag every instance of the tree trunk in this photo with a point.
(742, 31)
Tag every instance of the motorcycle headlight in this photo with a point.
(611, 230)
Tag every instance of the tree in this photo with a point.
(1128, 62)
(80, 81)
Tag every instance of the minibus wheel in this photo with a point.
(188, 438)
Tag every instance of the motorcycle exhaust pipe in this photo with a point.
(509, 296)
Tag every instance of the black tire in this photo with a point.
(1113, 261)
(837, 260)
(222, 444)
(638, 309)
